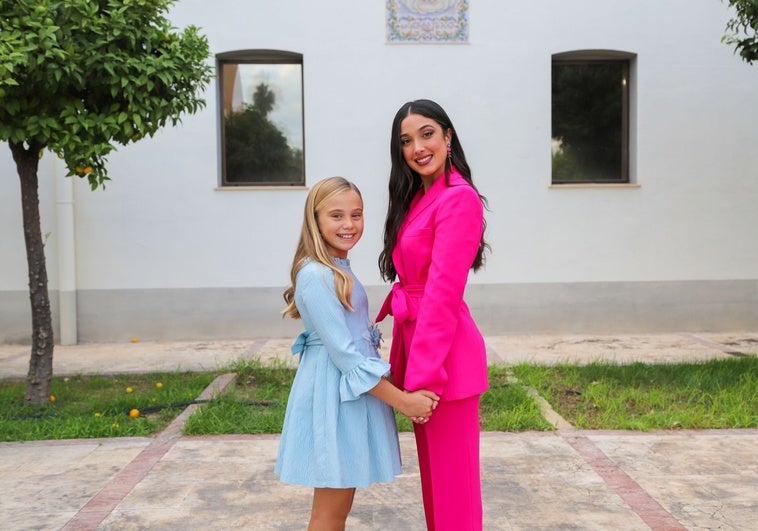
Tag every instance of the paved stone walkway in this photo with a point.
(566, 479)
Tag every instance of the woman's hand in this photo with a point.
(416, 405)
(419, 405)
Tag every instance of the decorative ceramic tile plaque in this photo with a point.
(427, 21)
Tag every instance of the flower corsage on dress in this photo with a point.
(374, 336)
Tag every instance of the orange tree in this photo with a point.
(744, 29)
(76, 78)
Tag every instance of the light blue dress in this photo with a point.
(335, 434)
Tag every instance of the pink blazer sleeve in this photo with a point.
(457, 225)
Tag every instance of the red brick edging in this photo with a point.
(98, 508)
(636, 497)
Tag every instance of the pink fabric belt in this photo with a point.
(396, 304)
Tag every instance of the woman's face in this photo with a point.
(340, 223)
(424, 146)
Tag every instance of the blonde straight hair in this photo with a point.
(312, 245)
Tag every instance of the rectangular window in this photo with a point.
(590, 119)
(261, 93)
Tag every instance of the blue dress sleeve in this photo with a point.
(316, 297)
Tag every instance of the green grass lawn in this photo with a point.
(99, 406)
(258, 402)
(714, 394)
(255, 405)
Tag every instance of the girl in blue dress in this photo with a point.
(339, 429)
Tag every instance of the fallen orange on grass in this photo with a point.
(134, 413)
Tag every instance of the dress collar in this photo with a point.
(344, 262)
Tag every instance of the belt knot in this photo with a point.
(304, 340)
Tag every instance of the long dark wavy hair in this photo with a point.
(404, 182)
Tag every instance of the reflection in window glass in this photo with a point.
(589, 125)
(262, 121)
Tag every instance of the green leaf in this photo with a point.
(88, 76)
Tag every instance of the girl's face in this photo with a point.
(340, 222)
(424, 146)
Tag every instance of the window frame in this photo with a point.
(255, 57)
(627, 61)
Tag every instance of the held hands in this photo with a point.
(419, 405)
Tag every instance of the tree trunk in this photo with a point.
(41, 360)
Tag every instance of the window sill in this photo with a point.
(595, 185)
(262, 187)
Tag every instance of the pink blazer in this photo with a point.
(435, 342)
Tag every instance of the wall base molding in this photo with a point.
(534, 308)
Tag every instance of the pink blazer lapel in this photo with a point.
(419, 204)
(423, 200)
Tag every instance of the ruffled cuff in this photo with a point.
(362, 378)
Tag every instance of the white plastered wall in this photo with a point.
(161, 223)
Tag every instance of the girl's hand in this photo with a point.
(419, 405)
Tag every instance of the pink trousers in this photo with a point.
(448, 454)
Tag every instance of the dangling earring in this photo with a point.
(450, 154)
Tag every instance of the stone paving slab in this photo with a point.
(746, 343)
(705, 479)
(534, 480)
(139, 357)
(45, 483)
(657, 348)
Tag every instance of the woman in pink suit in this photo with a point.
(433, 236)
